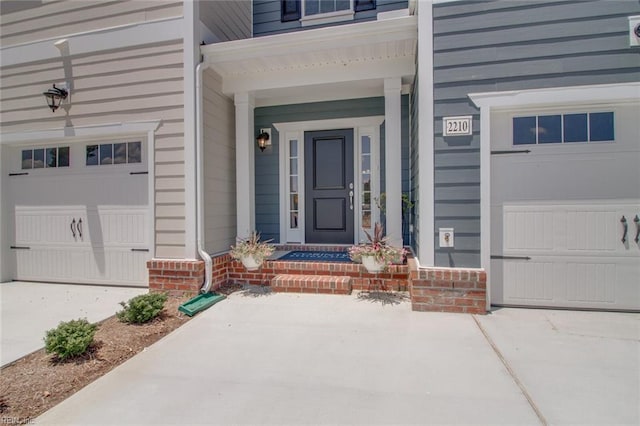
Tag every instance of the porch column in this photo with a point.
(245, 170)
(393, 162)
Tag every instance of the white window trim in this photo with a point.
(534, 99)
(326, 18)
(362, 126)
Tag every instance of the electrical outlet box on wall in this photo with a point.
(634, 31)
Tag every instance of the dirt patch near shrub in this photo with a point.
(37, 382)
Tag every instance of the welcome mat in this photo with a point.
(317, 256)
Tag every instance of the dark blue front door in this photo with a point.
(329, 186)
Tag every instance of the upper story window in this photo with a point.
(316, 12)
(563, 128)
(40, 158)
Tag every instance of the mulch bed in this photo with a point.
(33, 384)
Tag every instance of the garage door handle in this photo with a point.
(80, 228)
(625, 229)
(636, 220)
(73, 228)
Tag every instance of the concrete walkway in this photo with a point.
(314, 359)
(28, 310)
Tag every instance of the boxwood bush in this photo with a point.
(143, 308)
(69, 339)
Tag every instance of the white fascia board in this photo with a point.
(320, 75)
(85, 132)
(94, 41)
(593, 94)
(358, 34)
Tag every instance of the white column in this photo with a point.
(245, 169)
(426, 189)
(393, 159)
(485, 196)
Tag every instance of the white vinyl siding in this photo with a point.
(219, 166)
(134, 84)
(61, 18)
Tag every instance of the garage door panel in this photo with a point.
(591, 282)
(118, 226)
(81, 224)
(529, 280)
(569, 281)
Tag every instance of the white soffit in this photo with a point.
(354, 52)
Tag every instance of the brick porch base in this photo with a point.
(439, 290)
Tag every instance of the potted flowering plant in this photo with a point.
(376, 255)
(251, 251)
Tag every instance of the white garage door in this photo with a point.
(81, 219)
(564, 227)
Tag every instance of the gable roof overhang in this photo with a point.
(348, 61)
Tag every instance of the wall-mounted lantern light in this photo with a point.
(55, 96)
(264, 139)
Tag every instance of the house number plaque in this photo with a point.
(457, 126)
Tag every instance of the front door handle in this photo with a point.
(636, 220)
(625, 229)
(79, 227)
(73, 228)
(351, 200)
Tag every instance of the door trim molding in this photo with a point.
(362, 126)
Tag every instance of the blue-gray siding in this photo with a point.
(414, 175)
(266, 16)
(512, 45)
(266, 163)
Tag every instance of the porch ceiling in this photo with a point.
(337, 62)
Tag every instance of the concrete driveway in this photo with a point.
(315, 359)
(28, 310)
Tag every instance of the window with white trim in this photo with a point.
(114, 153)
(563, 128)
(40, 158)
(314, 12)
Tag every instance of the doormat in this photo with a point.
(317, 256)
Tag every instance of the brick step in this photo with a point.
(290, 283)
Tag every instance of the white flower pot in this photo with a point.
(372, 265)
(251, 263)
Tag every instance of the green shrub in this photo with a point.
(69, 339)
(143, 308)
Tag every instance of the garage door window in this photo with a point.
(114, 153)
(563, 128)
(40, 158)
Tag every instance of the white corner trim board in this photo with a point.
(94, 41)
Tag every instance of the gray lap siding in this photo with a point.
(511, 45)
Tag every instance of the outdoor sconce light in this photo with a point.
(55, 96)
(264, 139)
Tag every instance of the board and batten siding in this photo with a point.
(511, 45)
(227, 19)
(266, 163)
(139, 83)
(267, 16)
(219, 166)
